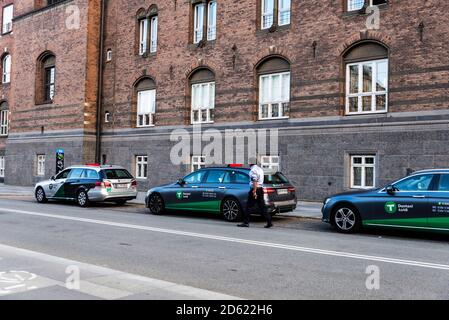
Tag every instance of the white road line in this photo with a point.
(413, 263)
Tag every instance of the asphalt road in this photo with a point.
(126, 253)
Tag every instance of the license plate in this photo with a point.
(122, 185)
(282, 191)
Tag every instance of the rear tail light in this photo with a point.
(134, 183)
(98, 184)
(268, 190)
(291, 190)
(107, 184)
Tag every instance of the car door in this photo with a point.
(408, 206)
(55, 189)
(73, 182)
(213, 190)
(186, 196)
(439, 204)
(236, 184)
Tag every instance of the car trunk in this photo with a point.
(278, 189)
(119, 180)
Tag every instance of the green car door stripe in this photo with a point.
(436, 224)
(212, 206)
(60, 193)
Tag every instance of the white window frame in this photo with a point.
(107, 116)
(40, 161)
(284, 11)
(143, 36)
(270, 163)
(363, 167)
(2, 166)
(109, 55)
(266, 14)
(207, 106)
(7, 23)
(197, 163)
(212, 20)
(198, 22)
(146, 112)
(272, 102)
(374, 93)
(4, 122)
(153, 33)
(6, 68)
(352, 7)
(141, 167)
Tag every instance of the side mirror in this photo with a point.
(52, 178)
(391, 190)
(181, 182)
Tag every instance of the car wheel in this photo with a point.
(156, 204)
(40, 195)
(120, 203)
(346, 219)
(82, 198)
(230, 210)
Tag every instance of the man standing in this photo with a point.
(256, 195)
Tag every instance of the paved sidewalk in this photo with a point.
(304, 209)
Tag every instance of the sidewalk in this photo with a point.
(310, 210)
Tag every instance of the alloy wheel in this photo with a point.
(345, 219)
(231, 210)
(156, 205)
(82, 198)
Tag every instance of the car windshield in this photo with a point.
(117, 174)
(275, 178)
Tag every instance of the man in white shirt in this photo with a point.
(256, 195)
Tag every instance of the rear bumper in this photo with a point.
(282, 206)
(101, 195)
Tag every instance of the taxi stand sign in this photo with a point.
(59, 160)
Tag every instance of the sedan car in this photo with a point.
(90, 183)
(419, 202)
(222, 190)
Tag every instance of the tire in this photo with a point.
(156, 204)
(40, 195)
(346, 219)
(82, 198)
(120, 203)
(231, 210)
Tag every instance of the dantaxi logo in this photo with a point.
(179, 195)
(391, 207)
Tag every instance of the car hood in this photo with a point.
(355, 192)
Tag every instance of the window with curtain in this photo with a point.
(7, 18)
(146, 107)
(274, 95)
(6, 68)
(203, 102)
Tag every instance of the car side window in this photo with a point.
(63, 175)
(443, 185)
(90, 174)
(415, 183)
(215, 176)
(196, 177)
(76, 173)
(236, 177)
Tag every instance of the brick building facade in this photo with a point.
(354, 106)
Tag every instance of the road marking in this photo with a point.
(105, 283)
(413, 263)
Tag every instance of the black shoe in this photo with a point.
(243, 225)
(268, 226)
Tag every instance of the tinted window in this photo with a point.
(275, 178)
(76, 173)
(63, 175)
(236, 177)
(215, 176)
(196, 177)
(90, 174)
(443, 185)
(415, 183)
(117, 174)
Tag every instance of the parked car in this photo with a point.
(90, 183)
(221, 190)
(419, 202)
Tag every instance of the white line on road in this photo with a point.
(413, 263)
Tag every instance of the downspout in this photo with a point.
(100, 83)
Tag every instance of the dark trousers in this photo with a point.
(258, 204)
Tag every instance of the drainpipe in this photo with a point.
(100, 83)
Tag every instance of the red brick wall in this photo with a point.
(418, 70)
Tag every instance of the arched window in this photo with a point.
(202, 85)
(4, 119)
(148, 30)
(366, 78)
(145, 90)
(274, 88)
(46, 78)
(6, 69)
